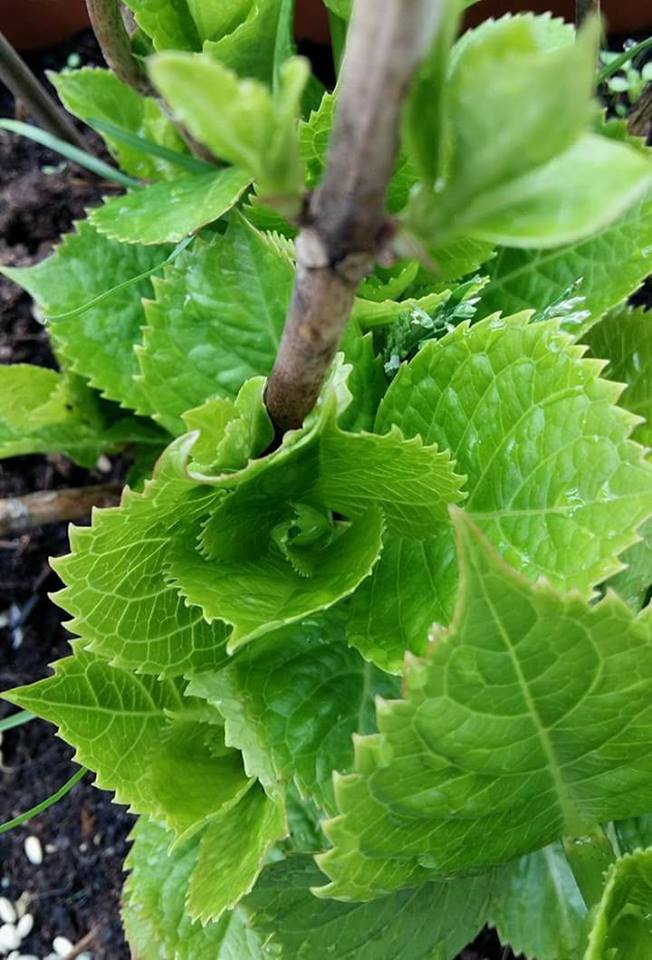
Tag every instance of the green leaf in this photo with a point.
(98, 344)
(145, 739)
(411, 587)
(216, 20)
(153, 905)
(231, 432)
(114, 578)
(231, 854)
(528, 720)
(167, 212)
(412, 483)
(434, 921)
(250, 49)
(576, 194)
(42, 411)
(95, 94)
(609, 267)
(342, 8)
(634, 581)
(217, 321)
(258, 594)
(537, 907)
(553, 479)
(507, 121)
(239, 120)
(621, 928)
(624, 338)
(168, 23)
(292, 705)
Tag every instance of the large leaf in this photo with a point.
(603, 270)
(528, 720)
(145, 740)
(42, 411)
(216, 321)
(232, 852)
(434, 921)
(95, 94)
(154, 911)
(621, 928)
(624, 338)
(537, 907)
(553, 479)
(293, 706)
(114, 579)
(239, 120)
(168, 212)
(98, 344)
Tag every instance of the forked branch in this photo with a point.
(346, 227)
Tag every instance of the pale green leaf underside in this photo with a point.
(622, 929)
(528, 720)
(154, 914)
(434, 921)
(216, 321)
(167, 212)
(99, 344)
(608, 266)
(537, 907)
(95, 94)
(42, 411)
(145, 740)
(114, 580)
(293, 705)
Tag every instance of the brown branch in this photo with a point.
(86, 941)
(585, 7)
(40, 106)
(113, 37)
(639, 123)
(345, 225)
(18, 514)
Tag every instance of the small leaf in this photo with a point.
(621, 927)
(507, 736)
(167, 212)
(153, 904)
(43, 411)
(95, 94)
(169, 25)
(231, 854)
(537, 907)
(239, 120)
(250, 49)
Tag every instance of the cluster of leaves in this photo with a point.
(244, 616)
